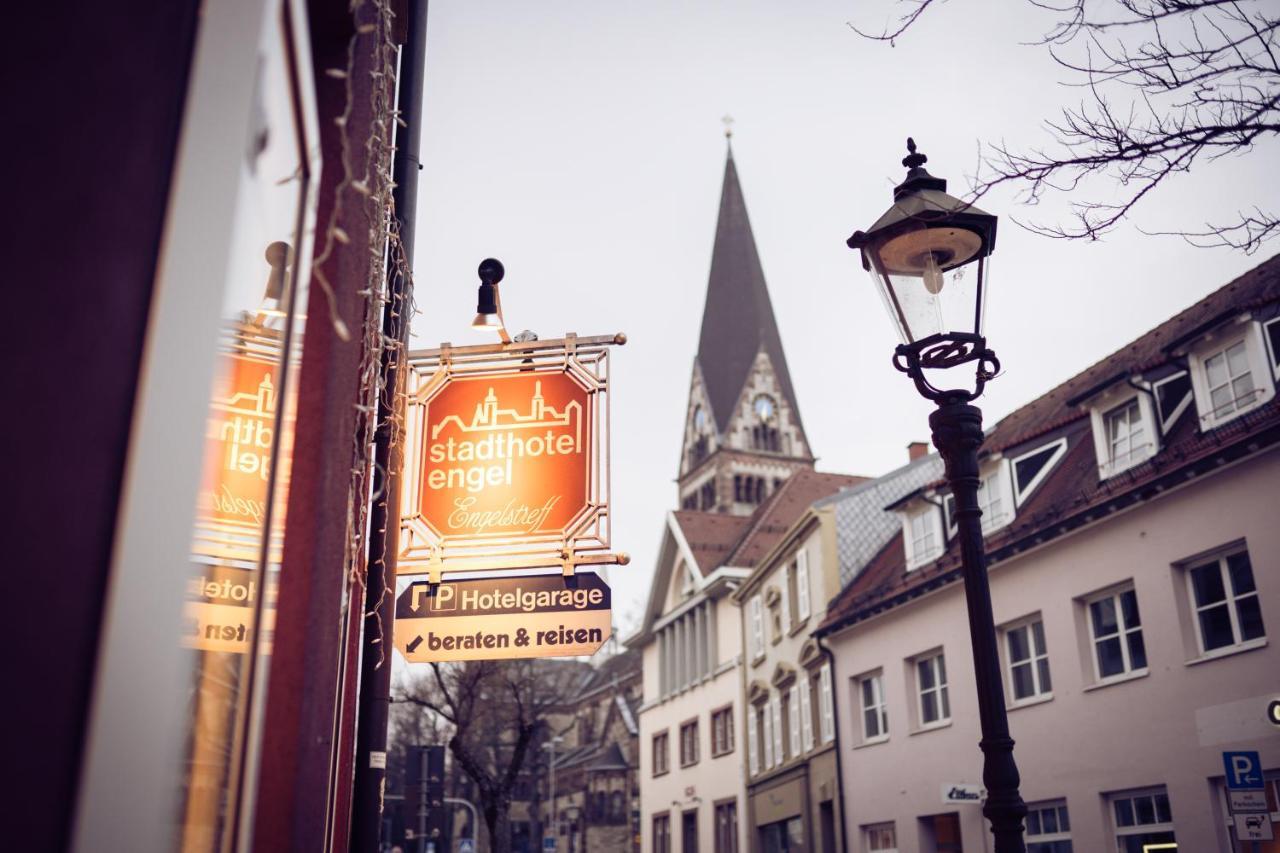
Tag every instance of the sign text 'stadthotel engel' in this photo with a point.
(506, 458)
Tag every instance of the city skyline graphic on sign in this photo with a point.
(489, 418)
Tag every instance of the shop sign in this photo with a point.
(506, 457)
(493, 618)
(962, 792)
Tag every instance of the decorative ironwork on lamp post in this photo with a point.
(929, 256)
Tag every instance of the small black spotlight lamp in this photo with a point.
(929, 256)
(488, 302)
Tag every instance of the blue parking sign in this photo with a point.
(1244, 771)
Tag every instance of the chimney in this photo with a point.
(916, 450)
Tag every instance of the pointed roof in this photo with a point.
(737, 319)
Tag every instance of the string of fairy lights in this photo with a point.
(370, 181)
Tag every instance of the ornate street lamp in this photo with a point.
(929, 256)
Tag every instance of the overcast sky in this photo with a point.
(581, 143)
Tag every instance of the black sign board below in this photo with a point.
(526, 616)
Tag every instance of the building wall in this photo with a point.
(812, 772)
(1168, 727)
(699, 786)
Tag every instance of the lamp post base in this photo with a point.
(957, 433)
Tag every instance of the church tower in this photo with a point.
(743, 435)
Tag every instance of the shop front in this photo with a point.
(779, 813)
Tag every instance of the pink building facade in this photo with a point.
(1131, 518)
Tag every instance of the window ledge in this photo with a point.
(1117, 679)
(1210, 422)
(875, 741)
(1228, 651)
(798, 626)
(932, 727)
(1030, 700)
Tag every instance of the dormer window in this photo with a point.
(1031, 468)
(1127, 439)
(1173, 397)
(1230, 381)
(1230, 373)
(922, 531)
(995, 498)
(1124, 430)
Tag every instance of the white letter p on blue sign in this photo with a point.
(1244, 770)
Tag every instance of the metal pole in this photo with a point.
(475, 815)
(422, 800)
(957, 433)
(379, 610)
(555, 823)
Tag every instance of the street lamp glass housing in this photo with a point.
(929, 257)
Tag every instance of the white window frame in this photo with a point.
(1138, 828)
(753, 741)
(803, 606)
(1167, 423)
(1100, 418)
(766, 734)
(826, 708)
(793, 720)
(1039, 693)
(1229, 601)
(868, 836)
(879, 705)
(784, 600)
(995, 479)
(1123, 631)
(1263, 374)
(927, 515)
(1059, 808)
(806, 712)
(775, 709)
(1020, 495)
(936, 661)
(757, 628)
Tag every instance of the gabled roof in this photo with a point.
(863, 525)
(737, 319)
(1258, 286)
(711, 536)
(615, 669)
(776, 515)
(718, 544)
(1073, 495)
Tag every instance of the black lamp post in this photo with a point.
(929, 256)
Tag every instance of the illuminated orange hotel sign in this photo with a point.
(506, 457)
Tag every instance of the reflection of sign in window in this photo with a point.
(238, 442)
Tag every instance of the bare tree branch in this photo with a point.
(1172, 83)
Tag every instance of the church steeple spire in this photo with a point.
(742, 400)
